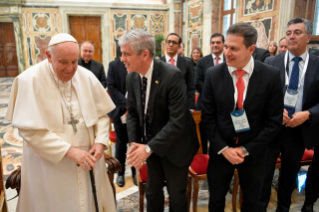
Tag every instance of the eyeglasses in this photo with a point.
(171, 41)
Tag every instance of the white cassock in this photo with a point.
(51, 182)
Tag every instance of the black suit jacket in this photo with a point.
(200, 72)
(116, 83)
(187, 69)
(310, 99)
(260, 54)
(97, 69)
(263, 105)
(171, 124)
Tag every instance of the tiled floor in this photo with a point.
(126, 196)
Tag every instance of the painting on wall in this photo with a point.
(263, 29)
(195, 14)
(252, 7)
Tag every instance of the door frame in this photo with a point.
(103, 13)
(18, 36)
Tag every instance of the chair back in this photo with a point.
(197, 118)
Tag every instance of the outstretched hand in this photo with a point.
(137, 154)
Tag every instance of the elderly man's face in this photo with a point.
(87, 52)
(282, 46)
(64, 60)
(297, 39)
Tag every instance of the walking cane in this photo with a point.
(94, 188)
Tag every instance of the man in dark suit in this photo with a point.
(173, 42)
(87, 52)
(299, 72)
(160, 126)
(261, 54)
(216, 57)
(116, 81)
(241, 112)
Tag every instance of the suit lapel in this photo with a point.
(210, 61)
(137, 91)
(228, 82)
(156, 80)
(253, 84)
(309, 76)
(180, 63)
(280, 64)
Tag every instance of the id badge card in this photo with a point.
(240, 121)
(291, 97)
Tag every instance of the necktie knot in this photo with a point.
(217, 61)
(144, 79)
(172, 61)
(297, 59)
(240, 73)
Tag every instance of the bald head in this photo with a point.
(87, 51)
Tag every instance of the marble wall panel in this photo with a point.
(39, 25)
(194, 25)
(178, 19)
(215, 16)
(121, 21)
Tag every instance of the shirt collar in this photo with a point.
(168, 58)
(248, 67)
(303, 56)
(149, 72)
(220, 56)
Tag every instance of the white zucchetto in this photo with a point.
(61, 38)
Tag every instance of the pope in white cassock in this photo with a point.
(60, 110)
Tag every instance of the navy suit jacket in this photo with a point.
(200, 72)
(260, 54)
(310, 99)
(187, 69)
(172, 127)
(263, 106)
(116, 83)
(97, 69)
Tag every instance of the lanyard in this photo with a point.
(303, 70)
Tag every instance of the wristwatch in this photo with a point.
(148, 149)
(245, 152)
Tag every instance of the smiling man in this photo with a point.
(60, 110)
(86, 60)
(160, 126)
(242, 104)
(172, 44)
(299, 71)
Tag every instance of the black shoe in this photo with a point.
(260, 209)
(134, 179)
(120, 180)
(307, 207)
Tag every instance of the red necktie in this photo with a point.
(217, 58)
(172, 61)
(240, 84)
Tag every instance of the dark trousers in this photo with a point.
(203, 138)
(289, 143)
(220, 172)
(121, 144)
(160, 169)
(312, 184)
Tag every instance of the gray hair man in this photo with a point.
(60, 110)
(160, 126)
(299, 73)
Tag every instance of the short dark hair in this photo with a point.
(308, 24)
(179, 37)
(217, 35)
(245, 30)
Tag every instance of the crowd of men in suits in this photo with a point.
(254, 108)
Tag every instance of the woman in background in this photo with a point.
(196, 54)
(272, 48)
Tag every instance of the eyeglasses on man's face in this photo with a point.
(171, 41)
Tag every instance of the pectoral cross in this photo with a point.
(73, 122)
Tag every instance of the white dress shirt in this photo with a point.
(249, 67)
(220, 60)
(148, 76)
(168, 59)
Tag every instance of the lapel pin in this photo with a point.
(156, 81)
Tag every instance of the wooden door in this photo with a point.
(8, 54)
(88, 28)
